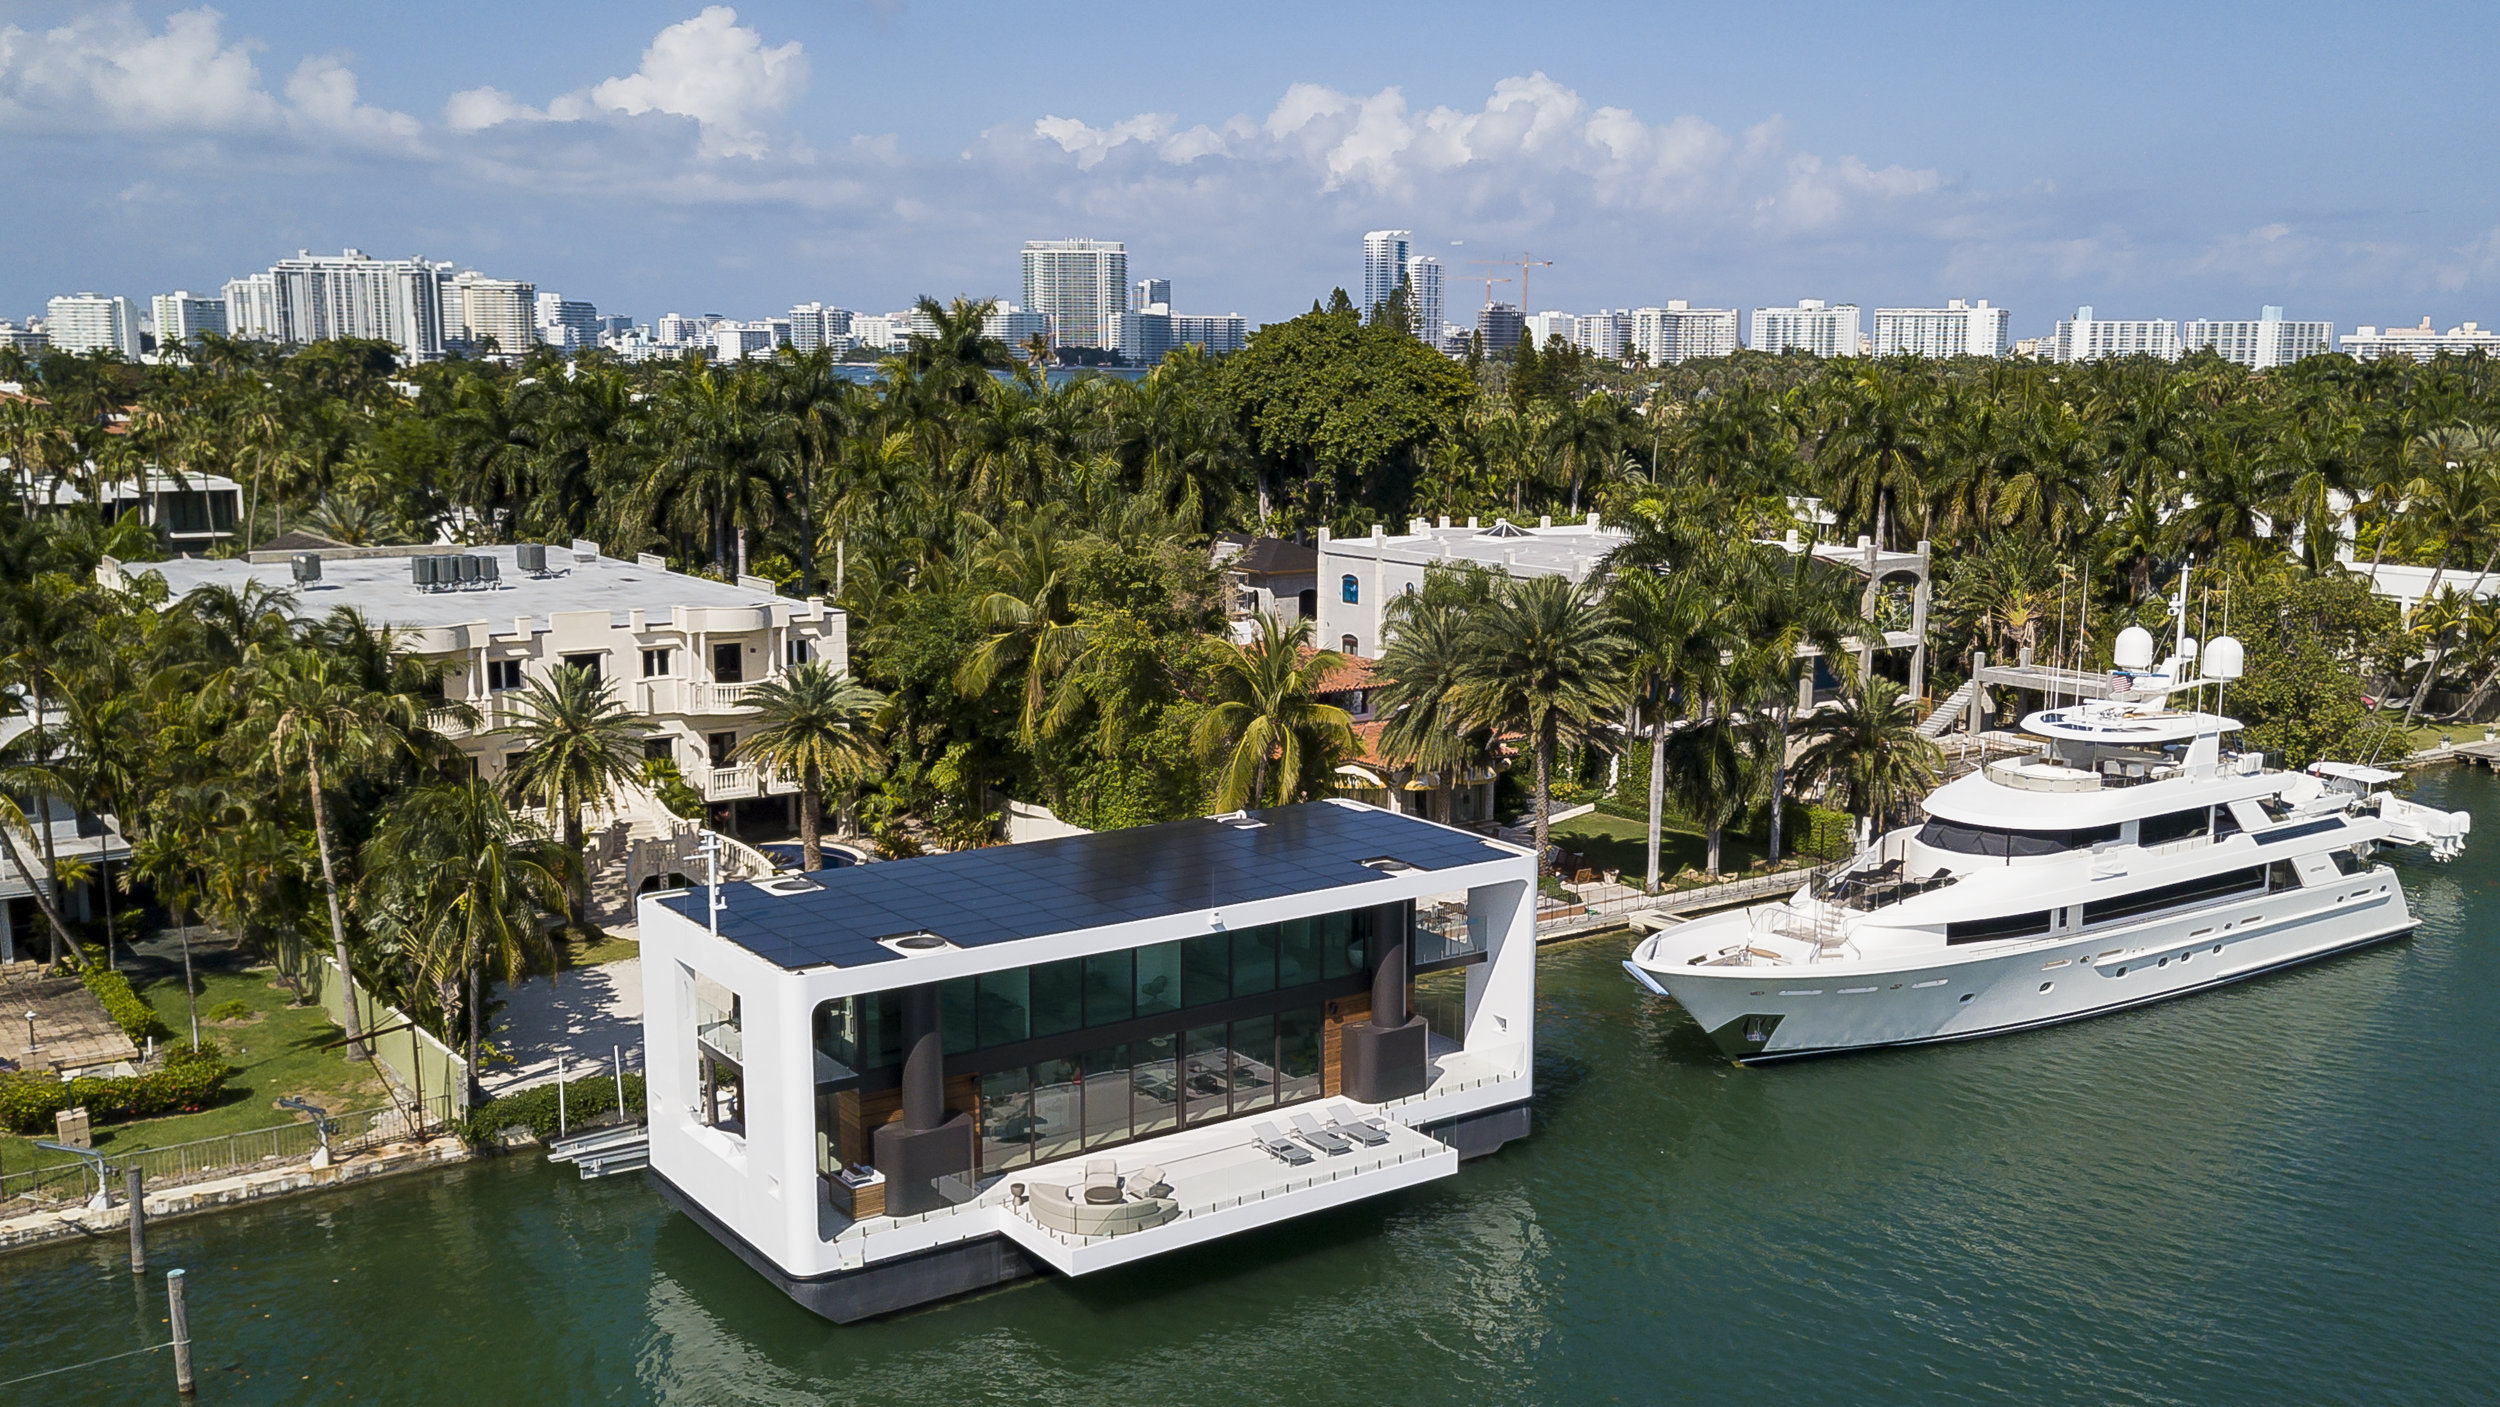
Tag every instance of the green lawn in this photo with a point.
(1611, 842)
(577, 952)
(279, 1050)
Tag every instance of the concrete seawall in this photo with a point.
(239, 1189)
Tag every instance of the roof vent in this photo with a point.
(1239, 820)
(915, 942)
(1503, 527)
(1387, 864)
(788, 884)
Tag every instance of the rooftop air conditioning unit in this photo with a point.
(530, 557)
(490, 568)
(307, 567)
(421, 571)
(472, 568)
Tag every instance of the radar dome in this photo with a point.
(2187, 648)
(2135, 648)
(2224, 659)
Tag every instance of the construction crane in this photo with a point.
(1487, 282)
(1525, 263)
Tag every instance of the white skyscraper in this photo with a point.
(2420, 343)
(1541, 328)
(2269, 341)
(478, 309)
(182, 316)
(1146, 293)
(1423, 296)
(1604, 333)
(814, 325)
(1385, 253)
(1680, 332)
(567, 323)
(2084, 338)
(1957, 329)
(90, 322)
(1081, 285)
(1812, 326)
(312, 298)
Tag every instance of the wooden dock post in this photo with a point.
(138, 1227)
(182, 1332)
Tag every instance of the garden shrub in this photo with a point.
(123, 1004)
(230, 1011)
(191, 1078)
(585, 1099)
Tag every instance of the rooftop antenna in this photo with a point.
(711, 882)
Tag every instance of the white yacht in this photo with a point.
(2133, 857)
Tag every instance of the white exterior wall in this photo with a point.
(2266, 341)
(182, 316)
(2084, 338)
(1679, 332)
(1386, 566)
(312, 298)
(1957, 329)
(2419, 343)
(1811, 326)
(90, 322)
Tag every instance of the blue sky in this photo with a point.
(2153, 160)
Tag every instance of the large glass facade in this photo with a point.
(1060, 1107)
(1245, 1013)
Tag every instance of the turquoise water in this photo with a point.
(2280, 1192)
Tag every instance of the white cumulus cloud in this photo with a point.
(718, 72)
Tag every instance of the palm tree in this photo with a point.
(1869, 750)
(1680, 625)
(1547, 661)
(1418, 672)
(1265, 723)
(579, 745)
(821, 726)
(457, 883)
(1031, 613)
(26, 767)
(309, 703)
(1715, 770)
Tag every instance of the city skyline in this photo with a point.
(666, 155)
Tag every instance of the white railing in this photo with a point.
(704, 697)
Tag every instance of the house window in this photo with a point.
(1350, 591)
(801, 651)
(503, 674)
(659, 748)
(1348, 645)
(654, 663)
(721, 746)
(587, 664)
(728, 665)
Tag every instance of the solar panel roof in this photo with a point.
(974, 898)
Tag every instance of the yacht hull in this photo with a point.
(1768, 1011)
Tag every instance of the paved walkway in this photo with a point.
(582, 1018)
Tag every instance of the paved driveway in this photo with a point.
(584, 1019)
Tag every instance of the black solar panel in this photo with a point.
(974, 898)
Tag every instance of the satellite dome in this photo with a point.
(2135, 648)
(2224, 659)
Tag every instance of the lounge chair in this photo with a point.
(1102, 1181)
(1367, 1132)
(1311, 1133)
(1279, 1146)
(1147, 1181)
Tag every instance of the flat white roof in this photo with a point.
(383, 589)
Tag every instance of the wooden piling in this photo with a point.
(182, 1332)
(138, 1227)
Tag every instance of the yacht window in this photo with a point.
(1987, 840)
(2178, 825)
(2348, 861)
(2191, 891)
(2281, 875)
(2226, 824)
(1990, 929)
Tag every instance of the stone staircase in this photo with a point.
(1940, 722)
(634, 838)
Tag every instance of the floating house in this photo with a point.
(887, 1084)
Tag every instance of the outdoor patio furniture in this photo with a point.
(1311, 1133)
(1367, 1132)
(1102, 1181)
(1147, 1181)
(1279, 1146)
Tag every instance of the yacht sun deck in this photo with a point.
(889, 1083)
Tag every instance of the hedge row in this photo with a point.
(122, 1004)
(535, 1109)
(191, 1078)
